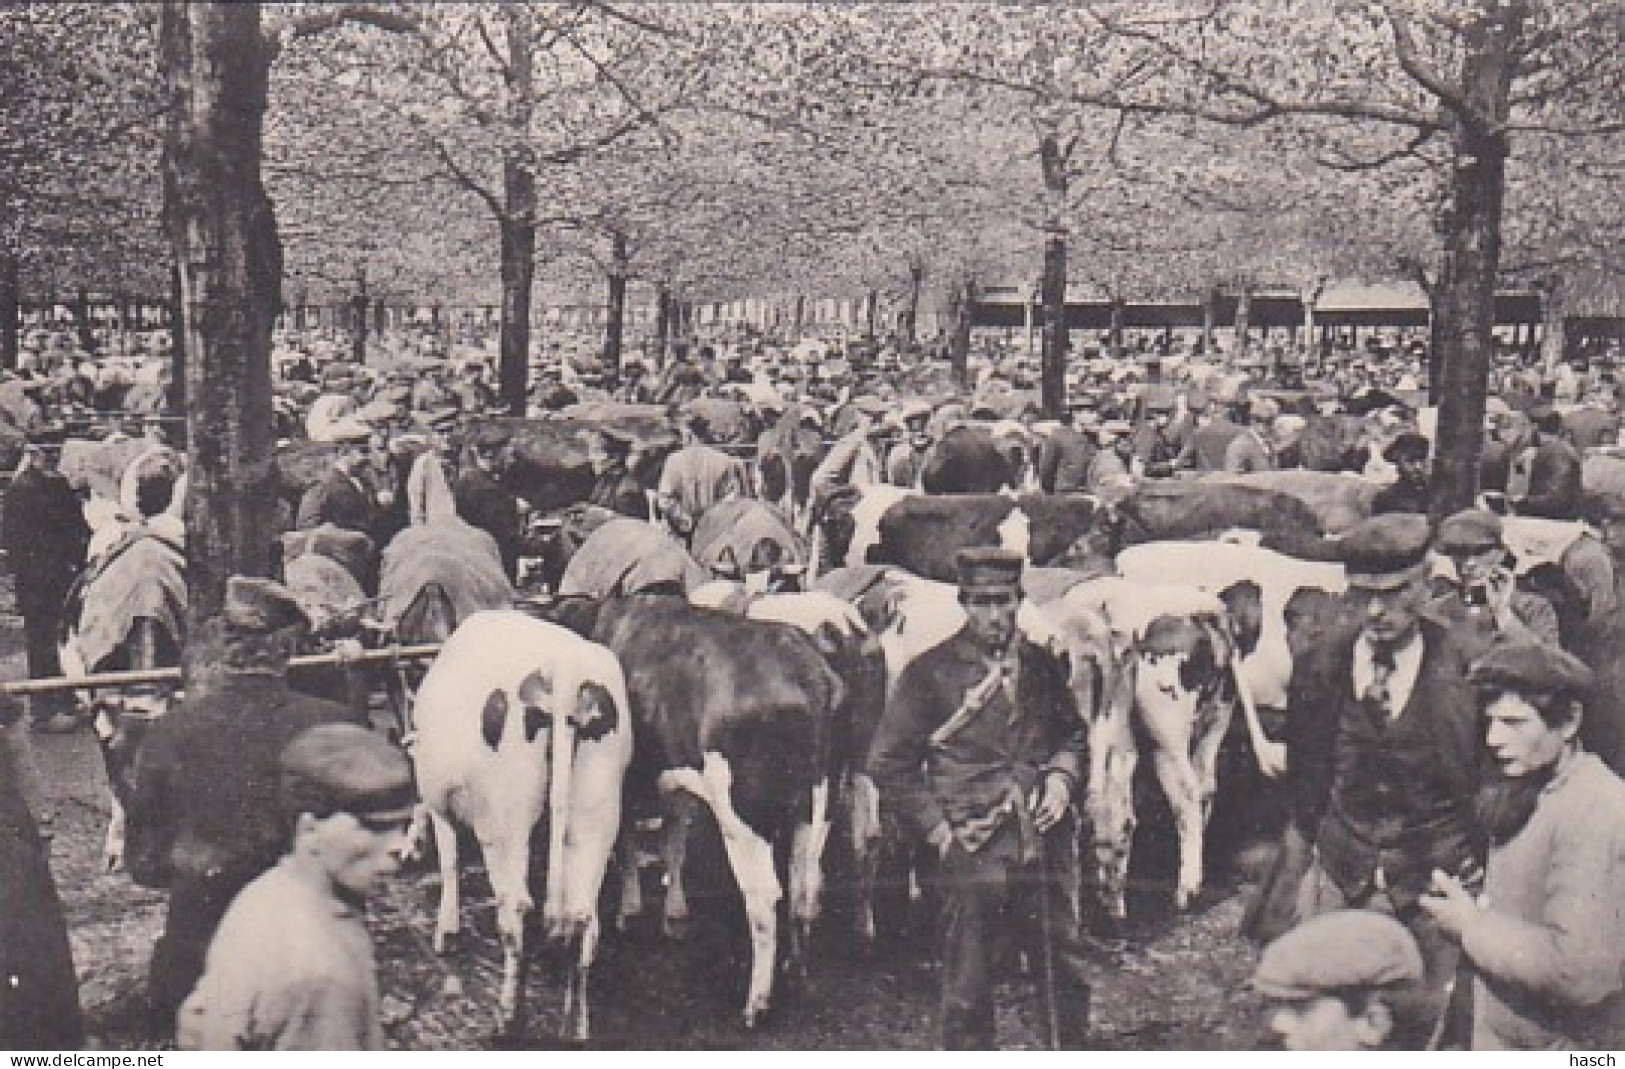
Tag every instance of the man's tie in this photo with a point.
(1378, 692)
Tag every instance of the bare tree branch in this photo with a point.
(1411, 62)
(309, 21)
(468, 181)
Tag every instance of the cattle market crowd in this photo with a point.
(903, 642)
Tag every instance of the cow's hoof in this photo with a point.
(114, 862)
(755, 1015)
(1186, 898)
(675, 928)
(447, 942)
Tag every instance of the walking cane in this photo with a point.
(1052, 1019)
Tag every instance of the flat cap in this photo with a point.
(1469, 531)
(1408, 446)
(989, 568)
(260, 606)
(1263, 408)
(1531, 667)
(1385, 547)
(344, 768)
(1345, 950)
(1116, 426)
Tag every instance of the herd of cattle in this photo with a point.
(648, 674)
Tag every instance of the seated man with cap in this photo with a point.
(198, 819)
(1547, 938)
(1253, 449)
(979, 754)
(1408, 453)
(1340, 981)
(1384, 748)
(291, 966)
(1156, 445)
(1483, 603)
(1114, 464)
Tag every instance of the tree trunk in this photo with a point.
(358, 315)
(10, 308)
(964, 302)
(871, 321)
(1553, 310)
(1244, 312)
(911, 314)
(800, 315)
(663, 324)
(223, 233)
(380, 317)
(1209, 313)
(1052, 288)
(177, 344)
(84, 329)
(1116, 331)
(615, 321)
(1473, 229)
(518, 222)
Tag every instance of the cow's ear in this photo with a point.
(493, 717)
(596, 714)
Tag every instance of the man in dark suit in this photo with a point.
(1384, 747)
(484, 502)
(202, 820)
(45, 539)
(980, 754)
(342, 497)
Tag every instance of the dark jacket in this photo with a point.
(1373, 792)
(205, 794)
(1063, 461)
(39, 1000)
(1205, 451)
(1555, 481)
(488, 505)
(1004, 748)
(45, 537)
(1401, 496)
(341, 501)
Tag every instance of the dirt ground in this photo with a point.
(1167, 982)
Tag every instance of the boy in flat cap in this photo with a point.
(202, 819)
(291, 966)
(980, 755)
(1483, 603)
(1339, 981)
(1547, 941)
(1384, 746)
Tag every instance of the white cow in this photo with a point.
(518, 718)
(1172, 688)
(1217, 567)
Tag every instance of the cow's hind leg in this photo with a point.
(807, 874)
(863, 804)
(448, 922)
(507, 862)
(681, 807)
(577, 1017)
(1180, 785)
(113, 848)
(751, 858)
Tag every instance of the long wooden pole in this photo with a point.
(107, 680)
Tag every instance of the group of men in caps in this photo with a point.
(1458, 849)
(1437, 779)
